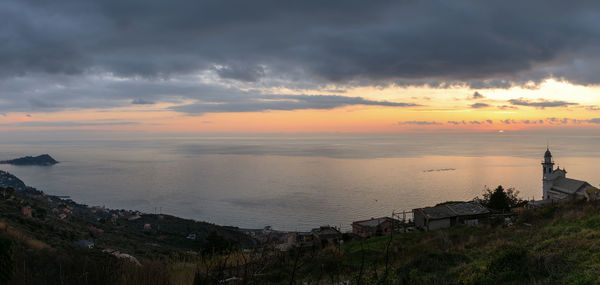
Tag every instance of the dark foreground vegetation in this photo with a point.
(46, 240)
(558, 244)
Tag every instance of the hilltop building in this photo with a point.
(449, 214)
(374, 227)
(326, 235)
(557, 187)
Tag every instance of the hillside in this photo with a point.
(559, 244)
(9, 180)
(44, 228)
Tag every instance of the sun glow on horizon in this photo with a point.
(550, 105)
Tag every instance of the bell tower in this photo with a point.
(547, 175)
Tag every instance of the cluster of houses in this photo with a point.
(425, 219)
(317, 238)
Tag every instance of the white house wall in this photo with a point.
(439, 224)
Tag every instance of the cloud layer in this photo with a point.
(340, 40)
(84, 54)
(541, 103)
(282, 102)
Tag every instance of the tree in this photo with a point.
(7, 192)
(500, 199)
(215, 243)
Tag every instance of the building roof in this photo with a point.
(373, 222)
(85, 243)
(569, 186)
(454, 210)
(547, 154)
(325, 231)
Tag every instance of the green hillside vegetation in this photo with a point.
(555, 245)
(559, 244)
(41, 249)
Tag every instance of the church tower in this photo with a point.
(547, 175)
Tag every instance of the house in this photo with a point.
(557, 187)
(447, 215)
(304, 240)
(65, 208)
(95, 229)
(26, 211)
(374, 227)
(592, 194)
(147, 227)
(85, 243)
(134, 217)
(326, 235)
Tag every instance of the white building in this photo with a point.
(556, 186)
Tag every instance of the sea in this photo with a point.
(296, 182)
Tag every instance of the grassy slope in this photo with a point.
(557, 245)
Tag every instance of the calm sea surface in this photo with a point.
(296, 183)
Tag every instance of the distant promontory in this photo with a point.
(42, 160)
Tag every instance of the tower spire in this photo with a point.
(547, 172)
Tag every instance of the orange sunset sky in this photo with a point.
(452, 108)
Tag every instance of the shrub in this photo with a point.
(508, 265)
(7, 263)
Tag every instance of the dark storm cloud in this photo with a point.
(282, 102)
(304, 44)
(479, 105)
(540, 103)
(335, 41)
(139, 101)
(241, 72)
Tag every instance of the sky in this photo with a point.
(193, 67)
